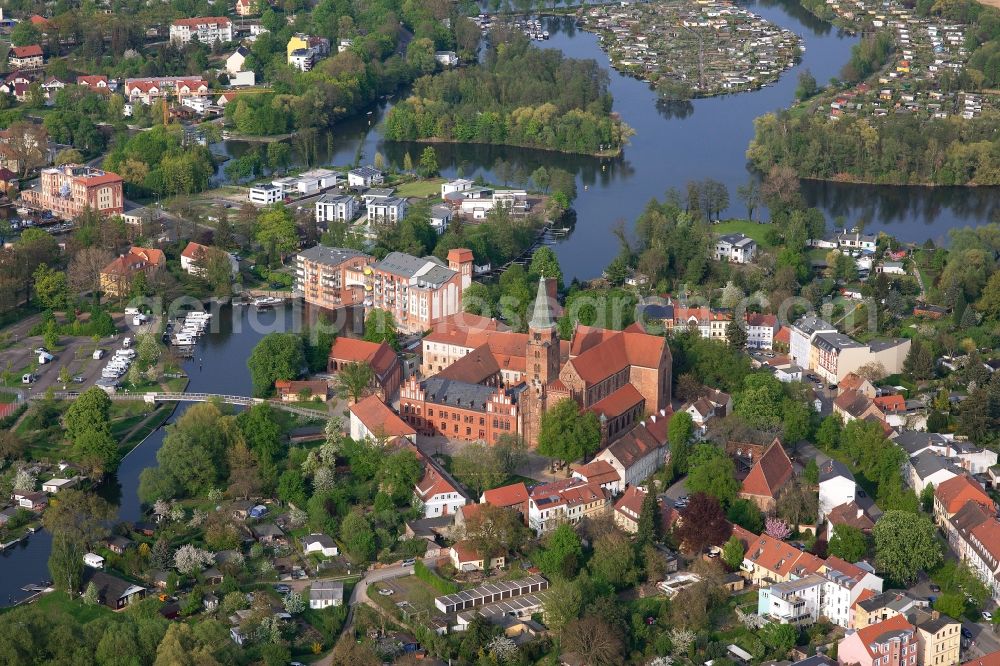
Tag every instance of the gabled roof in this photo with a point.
(597, 471)
(474, 368)
(891, 403)
(638, 442)
(433, 484)
(833, 469)
(378, 417)
(29, 51)
(630, 503)
(379, 355)
(512, 495)
(781, 558)
(770, 473)
(955, 492)
(850, 513)
(618, 402)
(882, 632)
(618, 351)
(991, 659)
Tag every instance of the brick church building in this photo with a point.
(507, 380)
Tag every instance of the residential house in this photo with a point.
(939, 638)
(566, 501)
(95, 82)
(53, 486)
(267, 533)
(265, 195)
(836, 486)
(861, 513)
(891, 268)
(768, 561)
(331, 278)
(991, 659)
(457, 185)
(892, 642)
(336, 208)
(195, 257)
(245, 8)
(112, 591)
(801, 335)
(437, 494)
(856, 240)
(761, 329)
(880, 607)
(951, 495)
(734, 248)
(465, 557)
(852, 381)
(294, 391)
(206, 30)
(602, 473)
(929, 468)
(853, 406)
(365, 176)
(387, 210)
(446, 58)
(982, 552)
(513, 496)
(768, 476)
(441, 216)
(234, 63)
(372, 419)
(33, 501)
(639, 452)
(797, 601)
(303, 51)
(628, 509)
(388, 373)
(118, 544)
(93, 560)
(28, 57)
(67, 190)
(326, 593)
(116, 277)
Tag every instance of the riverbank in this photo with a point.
(607, 153)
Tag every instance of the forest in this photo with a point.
(898, 149)
(520, 95)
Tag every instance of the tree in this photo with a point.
(736, 335)
(927, 498)
(354, 380)
(380, 326)
(189, 559)
(428, 167)
(98, 449)
(25, 33)
(777, 528)
(567, 435)
(561, 554)
(650, 523)
(496, 531)
(476, 466)
(26, 145)
(798, 504)
(807, 86)
(595, 641)
(276, 230)
(544, 263)
(810, 474)
(760, 401)
(294, 603)
(77, 521)
(356, 533)
(614, 561)
(779, 637)
(244, 473)
(848, 543)
(51, 288)
(399, 473)
(828, 433)
(85, 269)
(703, 523)
(732, 553)
(679, 433)
(905, 545)
(712, 472)
(540, 177)
(746, 514)
(919, 362)
(563, 604)
(276, 356)
(91, 411)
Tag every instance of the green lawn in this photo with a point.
(745, 227)
(7, 397)
(76, 608)
(420, 188)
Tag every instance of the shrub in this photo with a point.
(443, 586)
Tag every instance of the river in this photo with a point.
(218, 366)
(674, 144)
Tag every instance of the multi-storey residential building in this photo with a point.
(148, 90)
(303, 51)
(761, 329)
(336, 208)
(639, 452)
(207, 30)
(459, 410)
(802, 333)
(834, 355)
(836, 486)
(951, 495)
(880, 607)
(939, 638)
(892, 642)
(67, 190)
(567, 501)
(387, 210)
(439, 496)
(330, 277)
(419, 292)
(734, 248)
(797, 601)
(26, 57)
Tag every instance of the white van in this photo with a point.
(131, 312)
(45, 357)
(98, 354)
(126, 343)
(27, 378)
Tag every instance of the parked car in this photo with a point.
(78, 379)
(988, 616)
(386, 592)
(282, 589)
(935, 588)
(409, 563)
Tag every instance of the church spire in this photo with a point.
(541, 313)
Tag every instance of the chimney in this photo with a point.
(861, 512)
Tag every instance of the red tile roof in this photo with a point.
(781, 558)
(288, 387)
(433, 484)
(878, 633)
(379, 355)
(991, 659)
(619, 402)
(29, 51)
(891, 403)
(513, 495)
(476, 367)
(465, 552)
(843, 566)
(91, 80)
(757, 319)
(598, 471)
(988, 534)
(957, 491)
(630, 503)
(850, 513)
(616, 352)
(193, 250)
(770, 473)
(380, 418)
(784, 335)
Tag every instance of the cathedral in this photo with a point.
(482, 381)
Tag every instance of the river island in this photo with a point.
(691, 49)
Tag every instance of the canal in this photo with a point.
(218, 366)
(677, 143)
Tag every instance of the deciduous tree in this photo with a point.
(703, 523)
(905, 545)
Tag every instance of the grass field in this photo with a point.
(81, 613)
(746, 227)
(420, 188)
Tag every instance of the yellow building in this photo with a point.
(938, 638)
(295, 43)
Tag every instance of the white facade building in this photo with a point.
(332, 208)
(208, 30)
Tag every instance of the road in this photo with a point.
(984, 640)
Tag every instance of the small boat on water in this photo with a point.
(266, 302)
